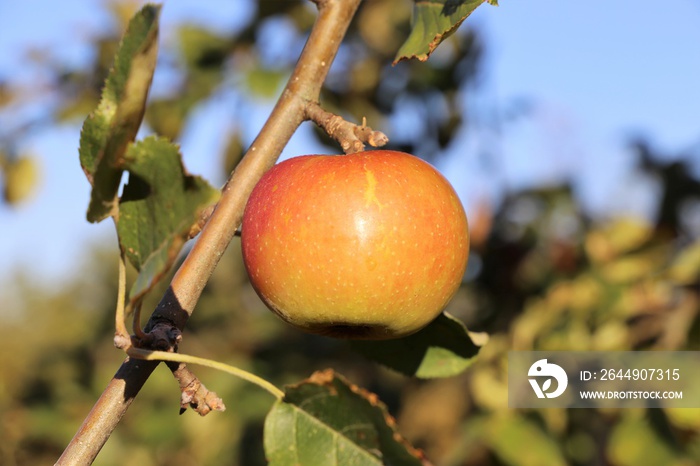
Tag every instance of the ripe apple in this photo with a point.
(371, 245)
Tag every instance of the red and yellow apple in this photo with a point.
(371, 245)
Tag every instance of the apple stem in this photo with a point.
(351, 137)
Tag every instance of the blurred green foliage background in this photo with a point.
(543, 275)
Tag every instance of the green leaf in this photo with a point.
(442, 349)
(433, 22)
(160, 204)
(327, 421)
(113, 125)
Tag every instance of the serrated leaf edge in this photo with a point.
(112, 115)
(437, 39)
(326, 377)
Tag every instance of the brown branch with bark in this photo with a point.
(351, 137)
(302, 90)
(194, 394)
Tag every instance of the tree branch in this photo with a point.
(193, 392)
(177, 305)
(351, 137)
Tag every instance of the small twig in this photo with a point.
(351, 137)
(193, 392)
(367, 134)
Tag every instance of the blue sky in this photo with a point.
(597, 76)
(598, 72)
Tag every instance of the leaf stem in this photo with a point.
(148, 355)
(121, 333)
(136, 323)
